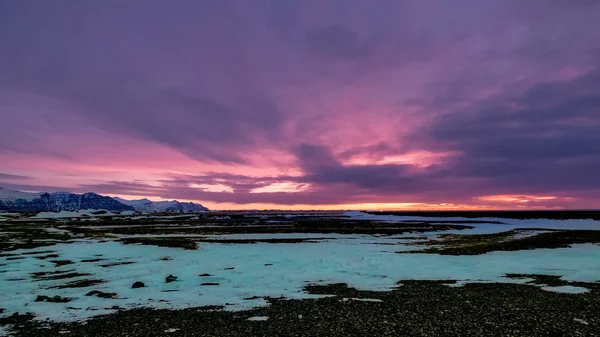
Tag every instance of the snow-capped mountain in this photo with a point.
(148, 206)
(64, 201)
(57, 201)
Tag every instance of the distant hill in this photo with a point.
(63, 201)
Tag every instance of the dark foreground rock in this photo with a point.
(181, 242)
(137, 284)
(53, 299)
(101, 294)
(415, 308)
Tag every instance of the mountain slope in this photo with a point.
(57, 201)
(148, 206)
(64, 201)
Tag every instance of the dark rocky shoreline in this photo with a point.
(416, 308)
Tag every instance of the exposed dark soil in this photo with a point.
(57, 275)
(414, 309)
(49, 256)
(36, 253)
(54, 299)
(28, 236)
(60, 263)
(101, 294)
(13, 258)
(79, 284)
(185, 243)
(111, 264)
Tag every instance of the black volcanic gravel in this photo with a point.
(416, 308)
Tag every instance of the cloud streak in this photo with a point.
(6, 176)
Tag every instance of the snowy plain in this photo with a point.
(240, 275)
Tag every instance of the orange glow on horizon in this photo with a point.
(518, 198)
(383, 206)
(358, 206)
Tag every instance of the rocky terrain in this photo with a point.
(415, 308)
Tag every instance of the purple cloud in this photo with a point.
(339, 97)
(6, 176)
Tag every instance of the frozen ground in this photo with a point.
(239, 276)
(365, 262)
(485, 227)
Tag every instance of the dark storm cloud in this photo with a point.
(321, 168)
(546, 138)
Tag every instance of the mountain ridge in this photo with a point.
(147, 206)
(66, 201)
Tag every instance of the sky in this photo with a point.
(312, 104)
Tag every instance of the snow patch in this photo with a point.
(8, 195)
(72, 214)
(345, 299)
(567, 289)
(148, 206)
